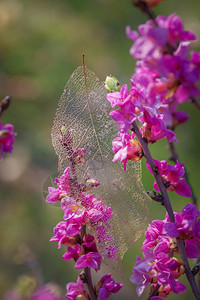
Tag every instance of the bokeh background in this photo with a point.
(41, 44)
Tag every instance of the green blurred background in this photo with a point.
(41, 44)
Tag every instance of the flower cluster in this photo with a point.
(83, 209)
(86, 210)
(166, 75)
(159, 265)
(166, 70)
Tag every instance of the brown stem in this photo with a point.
(174, 158)
(143, 6)
(154, 292)
(195, 102)
(188, 272)
(155, 197)
(157, 176)
(88, 277)
(87, 272)
(168, 207)
(196, 269)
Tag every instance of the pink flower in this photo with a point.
(72, 252)
(89, 243)
(73, 209)
(53, 195)
(76, 289)
(126, 148)
(125, 116)
(109, 286)
(119, 98)
(154, 128)
(170, 176)
(152, 41)
(63, 182)
(91, 260)
(6, 139)
(47, 292)
(140, 276)
(187, 226)
(152, 234)
(64, 230)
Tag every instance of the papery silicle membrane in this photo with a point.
(90, 126)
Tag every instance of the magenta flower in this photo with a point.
(47, 292)
(109, 286)
(151, 44)
(181, 73)
(76, 289)
(63, 188)
(154, 128)
(63, 182)
(171, 230)
(126, 148)
(187, 226)
(152, 234)
(53, 195)
(192, 248)
(72, 252)
(125, 116)
(140, 275)
(97, 210)
(159, 265)
(170, 176)
(73, 210)
(89, 243)
(64, 230)
(119, 98)
(91, 260)
(6, 139)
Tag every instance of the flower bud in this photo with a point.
(4, 133)
(112, 84)
(89, 184)
(81, 297)
(64, 130)
(135, 151)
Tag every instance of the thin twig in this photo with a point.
(154, 292)
(157, 176)
(155, 197)
(168, 207)
(143, 6)
(89, 283)
(4, 104)
(195, 102)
